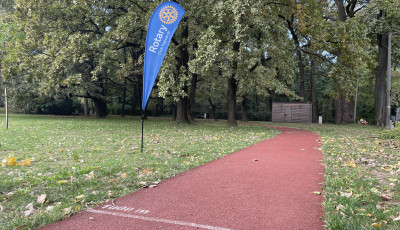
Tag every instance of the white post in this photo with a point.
(320, 120)
(388, 124)
(6, 105)
(355, 103)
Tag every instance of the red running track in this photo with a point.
(268, 185)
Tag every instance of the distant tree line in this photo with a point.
(229, 59)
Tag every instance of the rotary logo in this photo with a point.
(168, 14)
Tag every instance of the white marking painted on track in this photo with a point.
(155, 219)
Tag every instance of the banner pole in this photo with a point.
(6, 105)
(141, 146)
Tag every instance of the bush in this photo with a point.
(116, 109)
(59, 107)
(391, 134)
(259, 116)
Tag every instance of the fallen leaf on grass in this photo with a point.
(29, 210)
(41, 198)
(350, 164)
(110, 193)
(62, 181)
(80, 197)
(396, 219)
(374, 190)
(376, 225)
(386, 197)
(1, 208)
(340, 207)
(346, 194)
(123, 175)
(89, 176)
(12, 161)
(143, 183)
(26, 162)
(67, 210)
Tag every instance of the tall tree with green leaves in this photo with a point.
(382, 18)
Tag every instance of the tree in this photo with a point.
(382, 17)
(77, 44)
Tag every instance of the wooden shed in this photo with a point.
(292, 112)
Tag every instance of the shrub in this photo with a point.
(391, 134)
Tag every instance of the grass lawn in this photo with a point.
(362, 183)
(78, 162)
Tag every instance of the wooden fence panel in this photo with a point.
(291, 112)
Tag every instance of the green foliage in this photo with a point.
(393, 134)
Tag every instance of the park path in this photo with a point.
(268, 185)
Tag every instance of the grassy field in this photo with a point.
(362, 167)
(77, 163)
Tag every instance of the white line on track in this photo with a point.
(154, 219)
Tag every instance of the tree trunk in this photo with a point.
(174, 112)
(341, 10)
(270, 99)
(192, 94)
(86, 106)
(124, 92)
(298, 55)
(313, 93)
(301, 72)
(343, 115)
(380, 80)
(181, 110)
(100, 106)
(123, 100)
(245, 117)
(232, 88)
(213, 109)
(183, 60)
